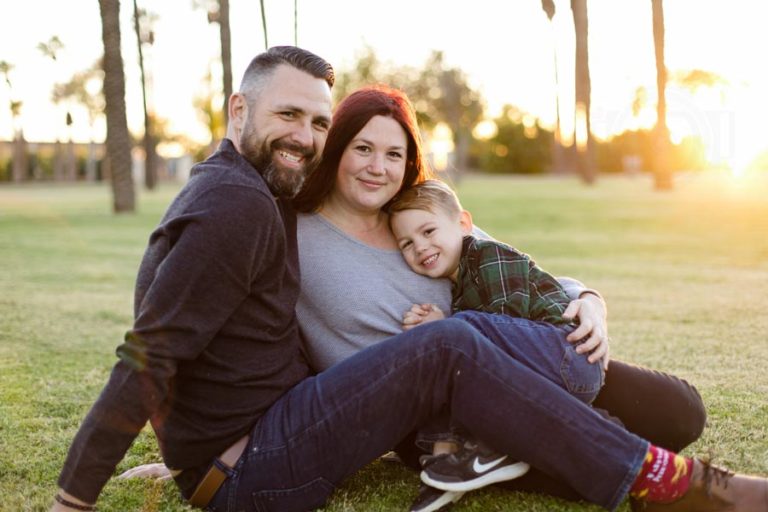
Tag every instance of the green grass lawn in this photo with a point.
(685, 274)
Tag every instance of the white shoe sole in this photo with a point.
(501, 475)
(445, 499)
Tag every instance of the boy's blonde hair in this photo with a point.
(428, 195)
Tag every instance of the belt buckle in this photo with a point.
(214, 477)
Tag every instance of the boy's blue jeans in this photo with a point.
(329, 426)
(539, 346)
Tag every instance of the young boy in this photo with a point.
(435, 237)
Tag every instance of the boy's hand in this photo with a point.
(593, 326)
(421, 313)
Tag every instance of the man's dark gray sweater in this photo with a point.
(215, 339)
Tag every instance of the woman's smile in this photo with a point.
(371, 183)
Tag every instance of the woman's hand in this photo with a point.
(593, 327)
(158, 471)
(420, 314)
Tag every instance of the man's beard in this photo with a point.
(282, 182)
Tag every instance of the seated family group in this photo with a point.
(314, 298)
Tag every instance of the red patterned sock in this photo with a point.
(664, 477)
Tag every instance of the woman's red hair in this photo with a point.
(351, 115)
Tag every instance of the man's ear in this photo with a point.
(465, 220)
(238, 111)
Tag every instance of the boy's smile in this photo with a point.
(430, 242)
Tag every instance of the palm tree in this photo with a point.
(19, 169)
(226, 53)
(80, 89)
(118, 139)
(20, 157)
(264, 24)
(219, 13)
(62, 167)
(150, 142)
(662, 172)
(557, 148)
(583, 130)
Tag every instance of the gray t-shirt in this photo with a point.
(354, 295)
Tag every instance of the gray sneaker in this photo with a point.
(430, 499)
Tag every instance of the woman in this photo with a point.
(355, 285)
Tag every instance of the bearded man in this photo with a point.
(215, 340)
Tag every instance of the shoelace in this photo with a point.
(711, 473)
(716, 473)
(428, 460)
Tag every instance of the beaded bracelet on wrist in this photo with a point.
(76, 506)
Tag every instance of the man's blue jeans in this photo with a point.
(329, 426)
(540, 346)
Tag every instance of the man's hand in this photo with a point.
(68, 498)
(591, 312)
(420, 314)
(158, 471)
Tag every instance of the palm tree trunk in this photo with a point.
(557, 147)
(20, 163)
(226, 54)
(70, 160)
(58, 161)
(118, 139)
(264, 24)
(90, 163)
(558, 162)
(662, 172)
(150, 145)
(584, 160)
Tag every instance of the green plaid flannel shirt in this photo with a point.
(496, 278)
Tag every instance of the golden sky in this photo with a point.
(505, 46)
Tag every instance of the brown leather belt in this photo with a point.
(215, 477)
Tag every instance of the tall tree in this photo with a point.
(118, 139)
(146, 36)
(85, 88)
(455, 103)
(557, 147)
(439, 94)
(264, 24)
(63, 164)
(583, 130)
(661, 168)
(218, 12)
(209, 110)
(367, 69)
(19, 167)
(226, 54)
